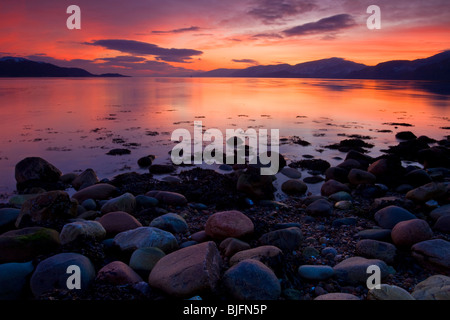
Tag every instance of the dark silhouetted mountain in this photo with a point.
(436, 67)
(20, 67)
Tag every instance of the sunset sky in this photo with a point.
(172, 37)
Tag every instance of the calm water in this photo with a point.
(73, 123)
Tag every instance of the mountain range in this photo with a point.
(21, 67)
(436, 67)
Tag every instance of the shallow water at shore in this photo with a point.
(73, 123)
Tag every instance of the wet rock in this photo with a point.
(118, 152)
(434, 254)
(101, 191)
(188, 271)
(8, 217)
(14, 279)
(125, 202)
(230, 246)
(286, 239)
(418, 177)
(143, 260)
(36, 169)
(332, 186)
(357, 176)
(225, 224)
(294, 187)
(311, 164)
(388, 170)
(51, 273)
(315, 272)
(291, 173)
(405, 135)
(337, 296)
(434, 157)
(50, 206)
(363, 159)
(348, 221)
(262, 253)
(146, 161)
(388, 217)
(89, 204)
(350, 164)
(443, 224)
(85, 179)
(117, 273)
(117, 222)
(251, 280)
(389, 292)
(146, 237)
(344, 205)
(68, 178)
(27, 243)
(162, 168)
(168, 198)
(225, 167)
(320, 207)
(340, 196)
(255, 185)
(427, 192)
(407, 233)
(336, 173)
(313, 179)
(81, 229)
(375, 234)
(436, 287)
(171, 222)
(376, 250)
(354, 270)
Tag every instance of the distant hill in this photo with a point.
(21, 67)
(436, 67)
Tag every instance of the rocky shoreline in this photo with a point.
(204, 235)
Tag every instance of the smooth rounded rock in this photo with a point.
(294, 187)
(230, 246)
(225, 224)
(101, 191)
(443, 224)
(85, 179)
(436, 287)
(332, 186)
(119, 221)
(358, 176)
(125, 202)
(376, 250)
(439, 212)
(169, 198)
(337, 296)
(14, 279)
(320, 207)
(354, 270)
(143, 260)
(262, 253)
(81, 229)
(51, 273)
(251, 280)
(388, 217)
(426, 192)
(288, 239)
(410, 232)
(433, 254)
(189, 271)
(291, 173)
(118, 273)
(171, 222)
(146, 237)
(35, 168)
(389, 292)
(315, 272)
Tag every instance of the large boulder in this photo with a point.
(52, 206)
(51, 273)
(227, 224)
(27, 243)
(146, 237)
(189, 271)
(251, 280)
(35, 169)
(14, 279)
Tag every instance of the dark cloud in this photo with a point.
(267, 36)
(270, 11)
(140, 48)
(325, 25)
(122, 59)
(181, 30)
(248, 61)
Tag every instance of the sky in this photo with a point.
(178, 37)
